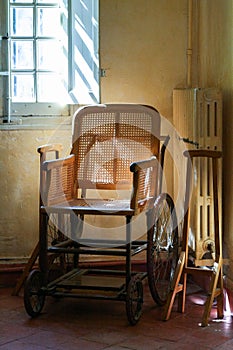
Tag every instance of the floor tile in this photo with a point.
(102, 325)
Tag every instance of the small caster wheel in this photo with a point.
(34, 296)
(134, 300)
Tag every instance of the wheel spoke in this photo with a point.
(33, 295)
(162, 254)
(134, 300)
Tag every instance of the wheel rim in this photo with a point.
(162, 252)
(134, 300)
(34, 296)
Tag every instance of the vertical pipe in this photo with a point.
(8, 51)
(189, 49)
(9, 82)
(5, 68)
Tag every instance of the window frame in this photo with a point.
(54, 108)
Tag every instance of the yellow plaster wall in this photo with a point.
(19, 182)
(143, 50)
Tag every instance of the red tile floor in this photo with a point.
(90, 324)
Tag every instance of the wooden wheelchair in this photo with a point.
(114, 171)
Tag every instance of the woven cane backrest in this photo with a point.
(106, 139)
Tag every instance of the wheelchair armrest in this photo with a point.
(57, 163)
(143, 164)
(44, 149)
(58, 180)
(144, 183)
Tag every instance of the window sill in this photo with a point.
(37, 122)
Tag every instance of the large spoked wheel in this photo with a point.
(34, 296)
(134, 300)
(162, 248)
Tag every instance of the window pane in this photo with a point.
(21, 21)
(50, 88)
(22, 1)
(64, 3)
(23, 87)
(48, 21)
(47, 1)
(48, 54)
(22, 54)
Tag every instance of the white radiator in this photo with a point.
(197, 116)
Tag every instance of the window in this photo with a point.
(53, 54)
